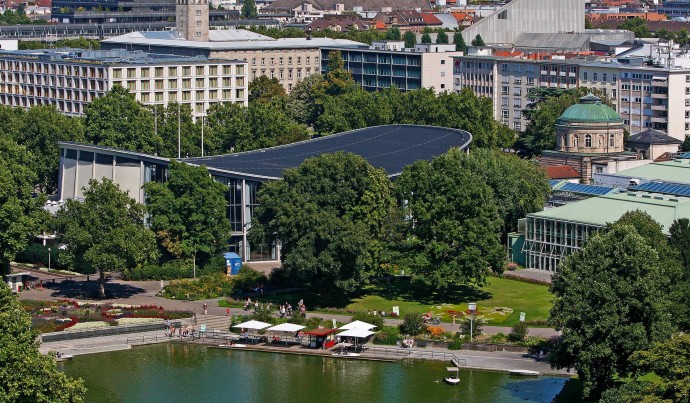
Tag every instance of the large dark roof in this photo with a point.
(389, 147)
(651, 136)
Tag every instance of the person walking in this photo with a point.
(227, 311)
(205, 309)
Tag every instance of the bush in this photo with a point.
(38, 254)
(216, 264)
(518, 332)
(172, 270)
(205, 287)
(456, 342)
(388, 335)
(466, 326)
(369, 318)
(413, 324)
(248, 278)
(498, 338)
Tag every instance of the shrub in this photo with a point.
(518, 332)
(413, 324)
(435, 331)
(466, 326)
(248, 278)
(216, 264)
(313, 323)
(388, 335)
(172, 270)
(205, 287)
(38, 254)
(456, 342)
(264, 314)
(369, 318)
(498, 338)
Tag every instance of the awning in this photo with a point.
(359, 333)
(253, 325)
(286, 327)
(358, 324)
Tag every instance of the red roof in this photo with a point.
(561, 172)
(320, 332)
(380, 25)
(430, 19)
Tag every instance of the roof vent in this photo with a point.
(646, 196)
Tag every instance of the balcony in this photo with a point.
(659, 107)
(659, 96)
(659, 119)
(659, 83)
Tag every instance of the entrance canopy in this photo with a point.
(253, 325)
(358, 324)
(359, 333)
(285, 327)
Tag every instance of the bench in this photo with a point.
(421, 343)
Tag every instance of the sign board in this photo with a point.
(522, 316)
(473, 306)
(396, 310)
(335, 326)
(203, 329)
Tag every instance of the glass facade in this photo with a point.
(547, 241)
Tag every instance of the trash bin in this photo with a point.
(233, 262)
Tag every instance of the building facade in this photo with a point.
(387, 63)
(71, 79)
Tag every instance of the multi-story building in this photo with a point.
(70, 79)
(388, 63)
(645, 97)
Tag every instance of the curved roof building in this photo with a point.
(390, 148)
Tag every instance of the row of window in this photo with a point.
(588, 141)
(282, 73)
(176, 71)
(185, 83)
(281, 60)
(147, 97)
(44, 68)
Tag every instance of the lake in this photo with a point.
(175, 372)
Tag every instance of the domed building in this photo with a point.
(589, 138)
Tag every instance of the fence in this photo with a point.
(421, 354)
(105, 331)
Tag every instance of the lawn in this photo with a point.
(500, 301)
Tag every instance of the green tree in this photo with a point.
(685, 147)
(173, 119)
(249, 10)
(118, 120)
(638, 26)
(453, 233)
(26, 375)
(338, 80)
(42, 127)
(264, 89)
(188, 212)
(305, 102)
(410, 39)
(105, 232)
(478, 41)
(679, 240)
(459, 42)
(426, 38)
(393, 34)
(442, 36)
(330, 215)
(682, 36)
(20, 212)
(609, 302)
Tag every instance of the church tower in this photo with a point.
(192, 19)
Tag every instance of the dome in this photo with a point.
(590, 110)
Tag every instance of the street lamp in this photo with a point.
(48, 259)
(473, 308)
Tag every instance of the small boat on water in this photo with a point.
(232, 345)
(345, 355)
(523, 372)
(63, 357)
(453, 377)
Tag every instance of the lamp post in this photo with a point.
(473, 308)
(48, 259)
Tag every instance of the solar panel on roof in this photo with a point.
(665, 188)
(554, 182)
(684, 155)
(585, 189)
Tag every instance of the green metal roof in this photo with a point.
(590, 110)
(599, 211)
(669, 171)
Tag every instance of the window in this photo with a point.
(625, 86)
(159, 84)
(159, 72)
(290, 74)
(299, 73)
(443, 61)
(199, 83)
(239, 70)
(198, 95)
(518, 80)
(612, 140)
(131, 73)
(584, 75)
(132, 86)
(186, 83)
(517, 102)
(172, 96)
(200, 70)
(517, 125)
(517, 114)
(517, 91)
(599, 170)
(603, 77)
(588, 140)
(198, 13)
(117, 73)
(309, 58)
(186, 95)
(503, 15)
(145, 85)
(504, 90)
(226, 82)
(172, 71)
(263, 61)
(186, 71)
(273, 61)
(504, 101)
(637, 87)
(213, 70)
(504, 66)
(613, 78)
(530, 81)
(212, 82)
(505, 114)
(145, 73)
(239, 94)
(280, 61)
(290, 60)
(299, 60)
(159, 97)
(145, 97)
(595, 76)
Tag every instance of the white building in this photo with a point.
(70, 79)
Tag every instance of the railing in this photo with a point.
(423, 354)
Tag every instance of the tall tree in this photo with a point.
(410, 39)
(453, 233)
(393, 34)
(426, 38)
(118, 120)
(680, 241)
(20, 212)
(478, 41)
(459, 42)
(305, 102)
(105, 232)
(264, 89)
(638, 26)
(249, 10)
(188, 212)
(26, 375)
(330, 215)
(173, 120)
(442, 36)
(609, 302)
(338, 80)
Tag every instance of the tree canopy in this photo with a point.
(459, 42)
(264, 89)
(410, 39)
(329, 214)
(452, 235)
(249, 10)
(426, 38)
(442, 36)
(188, 212)
(609, 302)
(26, 375)
(105, 232)
(478, 41)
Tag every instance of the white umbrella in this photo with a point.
(286, 327)
(358, 324)
(356, 333)
(253, 325)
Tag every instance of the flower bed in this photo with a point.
(55, 316)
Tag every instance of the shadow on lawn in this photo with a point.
(89, 289)
(410, 291)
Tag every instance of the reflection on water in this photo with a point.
(186, 373)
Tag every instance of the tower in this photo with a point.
(192, 19)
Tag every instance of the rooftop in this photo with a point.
(115, 56)
(602, 210)
(589, 110)
(677, 171)
(226, 40)
(651, 136)
(561, 172)
(390, 148)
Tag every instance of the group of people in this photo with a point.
(377, 312)
(407, 342)
(186, 331)
(285, 310)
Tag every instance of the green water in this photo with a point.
(190, 373)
